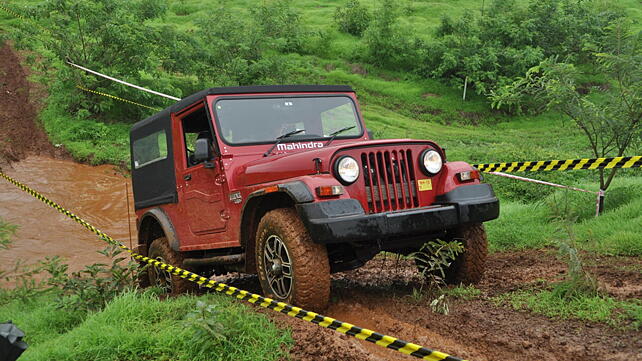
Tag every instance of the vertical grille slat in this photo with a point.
(375, 169)
(391, 172)
(411, 175)
(391, 176)
(401, 170)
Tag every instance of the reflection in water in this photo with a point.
(96, 194)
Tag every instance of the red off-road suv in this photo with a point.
(287, 183)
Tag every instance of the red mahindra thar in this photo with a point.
(287, 183)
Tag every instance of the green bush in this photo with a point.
(387, 42)
(280, 24)
(96, 285)
(494, 49)
(353, 19)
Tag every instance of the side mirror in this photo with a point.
(203, 152)
(370, 134)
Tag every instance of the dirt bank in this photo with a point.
(20, 133)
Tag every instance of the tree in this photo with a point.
(610, 120)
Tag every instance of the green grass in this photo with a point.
(603, 309)
(534, 225)
(462, 292)
(87, 140)
(139, 326)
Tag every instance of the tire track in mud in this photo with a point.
(381, 297)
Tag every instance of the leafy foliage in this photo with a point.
(226, 48)
(353, 19)
(387, 42)
(612, 123)
(279, 24)
(97, 284)
(493, 49)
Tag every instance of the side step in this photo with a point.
(213, 261)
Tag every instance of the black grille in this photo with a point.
(390, 180)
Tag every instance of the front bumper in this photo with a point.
(344, 220)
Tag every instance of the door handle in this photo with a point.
(187, 177)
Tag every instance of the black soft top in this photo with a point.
(155, 184)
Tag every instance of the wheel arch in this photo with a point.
(258, 204)
(153, 224)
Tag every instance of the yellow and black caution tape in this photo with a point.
(115, 97)
(22, 17)
(13, 13)
(569, 164)
(293, 311)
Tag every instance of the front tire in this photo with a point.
(291, 267)
(171, 284)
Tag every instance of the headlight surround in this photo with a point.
(430, 162)
(346, 169)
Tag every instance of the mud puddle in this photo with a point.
(96, 194)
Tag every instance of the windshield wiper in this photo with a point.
(335, 133)
(280, 138)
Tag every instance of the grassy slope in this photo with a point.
(137, 326)
(400, 105)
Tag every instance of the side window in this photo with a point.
(150, 149)
(195, 126)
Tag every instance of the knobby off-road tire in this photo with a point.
(468, 267)
(284, 247)
(174, 285)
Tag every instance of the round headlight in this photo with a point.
(431, 162)
(347, 170)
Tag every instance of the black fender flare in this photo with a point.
(165, 223)
(297, 191)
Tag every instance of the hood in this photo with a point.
(299, 163)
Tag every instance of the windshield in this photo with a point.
(262, 120)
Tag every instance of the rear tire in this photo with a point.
(468, 267)
(291, 267)
(171, 284)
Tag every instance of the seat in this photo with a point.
(201, 135)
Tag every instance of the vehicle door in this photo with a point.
(203, 185)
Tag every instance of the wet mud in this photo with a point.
(379, 296)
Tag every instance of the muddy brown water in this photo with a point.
(96, 194)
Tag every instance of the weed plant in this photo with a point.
(7, 230)
(433, 260)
